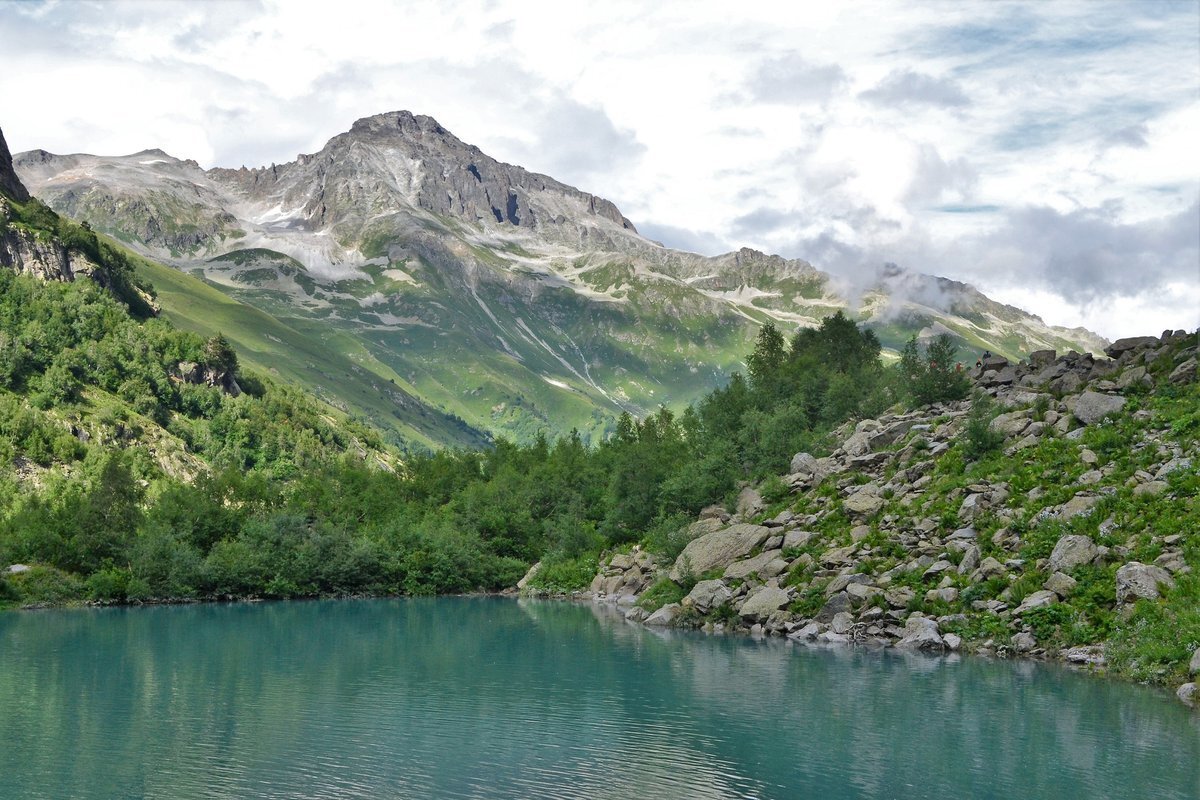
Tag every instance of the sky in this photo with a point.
(1043, 152)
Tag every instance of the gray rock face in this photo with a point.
(1091, 407)
(1039, 599)
(1184, 373)
(863, 503)
(707, 595)
(10, 184)
(1122, 346)
(1141, 581)
(921, 633)
(836, 604)
(718, 549)
(749, 503)
(764, 602)
(1060, 583)
(804, 463)
(1188, 694)
(1023, 642)
(664, 617)
(764, 565)
(1194, 664)
(1072, 551)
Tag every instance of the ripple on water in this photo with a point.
(489, 698)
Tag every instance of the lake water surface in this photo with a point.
(497, 698)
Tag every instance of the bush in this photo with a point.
(933, 376)
(981, 440)
(663, 592)
(47, 585)
(565, 575)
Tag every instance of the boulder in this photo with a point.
(707, 595)
(764, 602)
(521, 584)
(1136, 580)
(1194, 665)
(1184, 373)
(1080, 504)
(1039, 599)
(1023, 642)
(835, 605)
(1137, 376)
(804, 463)
(1188, 694)
(1092, 655)
(1122, 346)
(969, 561)
(921, 633)
(797, 538)
(1091, 407)
(863, 503)
(664, 617)
(720, 548)
(842, 622)
(1071, 551)
(749, 503)
(1041, 358)
(1060, 583)
(841, 582)
(17, 569)
(740, 570)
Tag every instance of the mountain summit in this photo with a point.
(503, 297)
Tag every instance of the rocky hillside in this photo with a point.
(503, 297)
(1054, 516)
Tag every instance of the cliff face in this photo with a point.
(10, 184)
(42, 257)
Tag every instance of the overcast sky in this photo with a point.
(1044, 152)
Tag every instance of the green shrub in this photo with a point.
(980, 439)
(47, 585)
(662, 592)
(565, 574)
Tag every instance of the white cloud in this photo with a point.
(968, 140)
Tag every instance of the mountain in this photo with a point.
(501, 297)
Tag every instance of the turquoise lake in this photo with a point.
(499, 698)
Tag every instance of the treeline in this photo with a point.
(289, 503)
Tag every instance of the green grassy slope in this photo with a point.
(332, 365)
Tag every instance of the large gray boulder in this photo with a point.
(1091, 407)
(766, 564)
(1121, 346)
(720, 548)
(1039, 599)
(749, 503)
(921, 633)
(805, 463)
(664, 617)
(1071, 551)
(707, 595)
(1141, 581)
(764, 602)
(863, 503)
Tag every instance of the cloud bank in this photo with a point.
(1040, 151)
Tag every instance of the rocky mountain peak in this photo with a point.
(10, 184)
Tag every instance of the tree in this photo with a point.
(764, 365)
(933, 377)
(219, 354)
